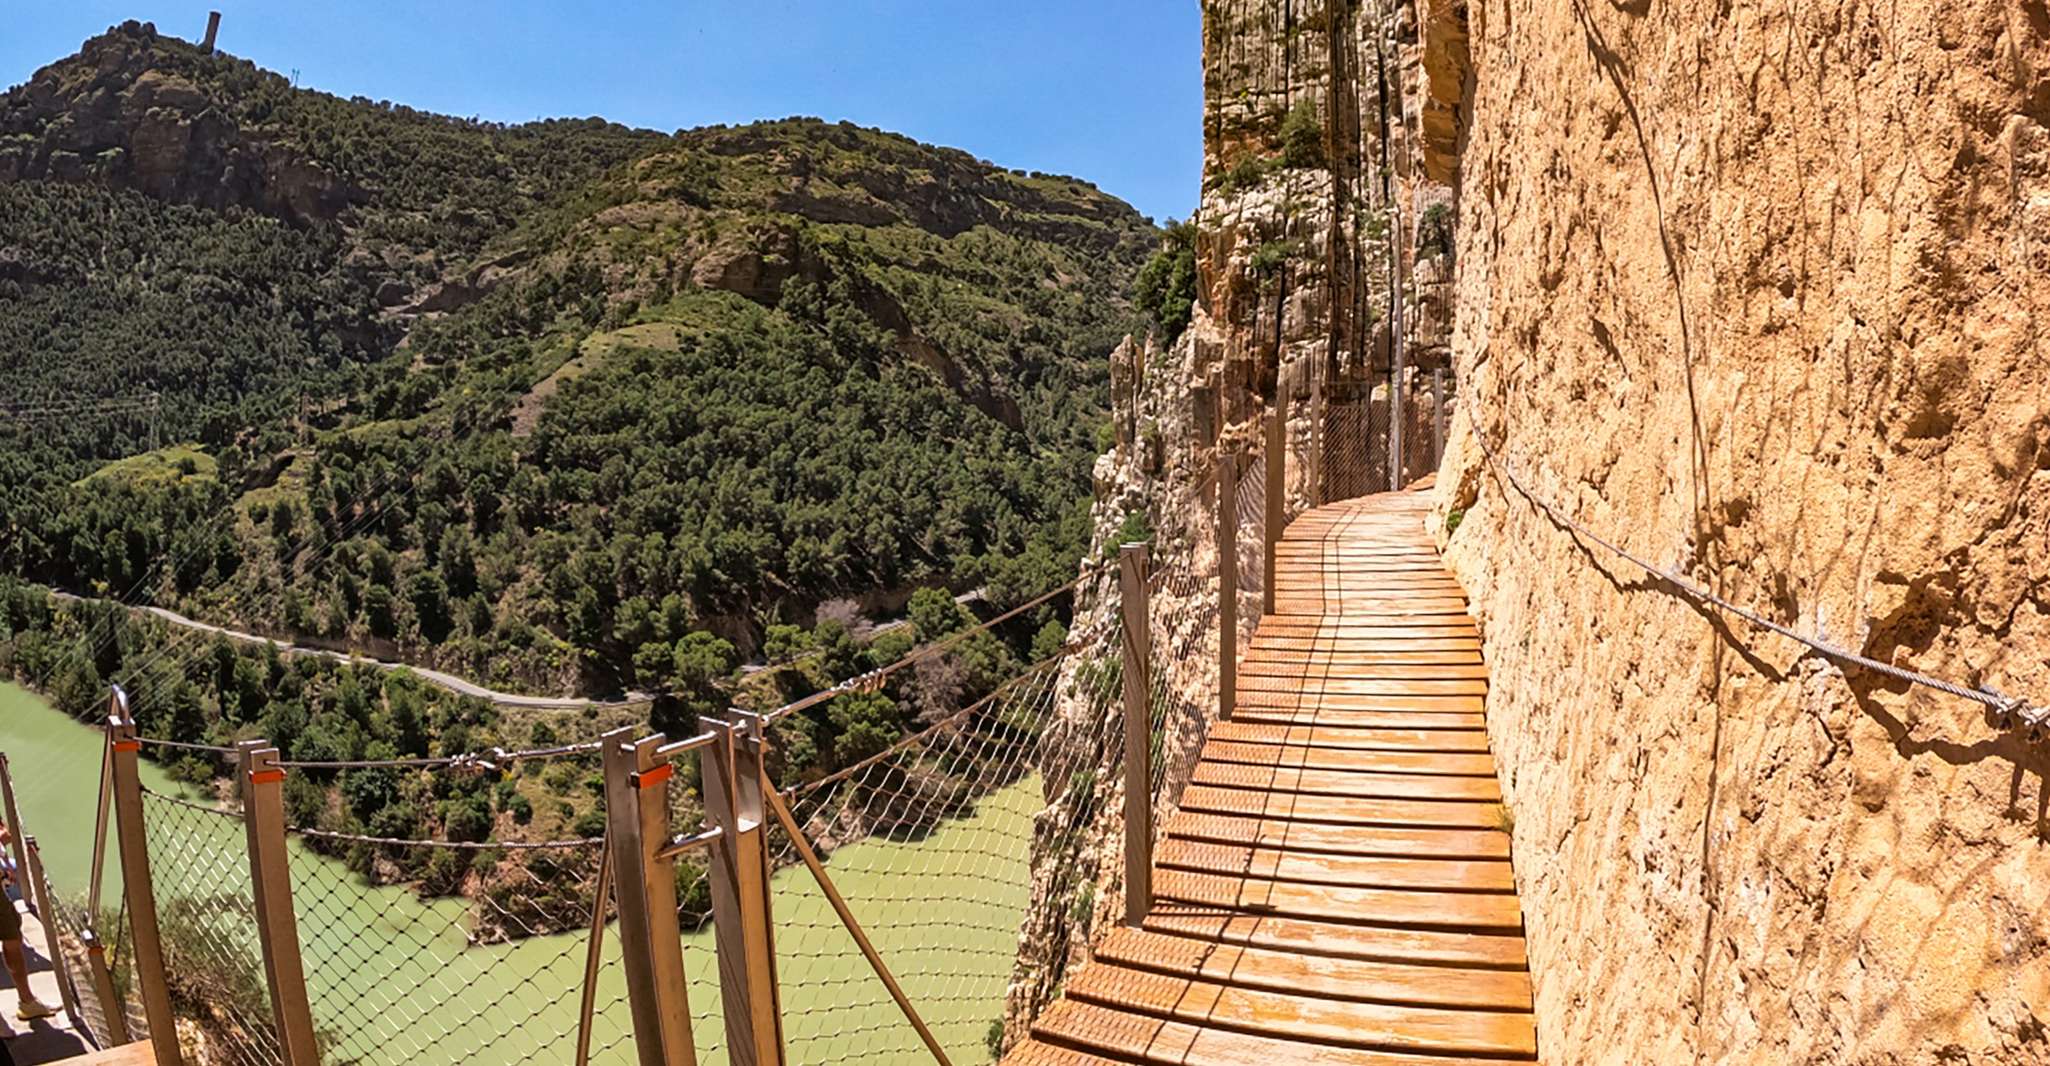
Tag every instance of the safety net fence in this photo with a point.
(424, 952)
(207, 921)
(928, 833)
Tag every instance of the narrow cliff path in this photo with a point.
(1335, 885)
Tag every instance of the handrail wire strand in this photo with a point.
(207, 920)
(932, 840)
(495, 976)
(2010, 710)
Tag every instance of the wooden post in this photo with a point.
(1277, 494)
(1227, 580)
(644, 889)
(1397, 345)
(17, 838)
(1138, 676)
(742, 925)
(38, 892)
(103, 990)
(270, 879)
(136, 886)
(1317, 432)
(1438, 416)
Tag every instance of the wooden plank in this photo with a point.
(136, 1054)
(1317, 975)
(1349, 839)
(1419, 760)
(1345, 871)
(1262, 665)
(1346, 718)
(1317, 686)
(1323, 625)
(1369, 905)
(1348, 701)
(1415, 732)
(1305, 936)
(1342, 810)
(1369, 1025)
(1366, 649)
(1363, 784)
(1034, 1053)
(1139, 1038)
(1364, 612)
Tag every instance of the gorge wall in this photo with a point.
(1753, 290)
(1756, 290)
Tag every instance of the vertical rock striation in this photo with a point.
(1757, 291)
(1314, 159)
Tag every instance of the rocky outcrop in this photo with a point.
(1757, 291)
(112, 114)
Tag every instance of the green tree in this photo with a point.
(1165, 288)
(1302, 136)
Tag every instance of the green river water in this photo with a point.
(395, 982)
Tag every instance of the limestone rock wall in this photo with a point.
(1292, 260)
(1758, 290)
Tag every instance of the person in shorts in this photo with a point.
(10, 940)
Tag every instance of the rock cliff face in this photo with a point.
(1314, 125)
(1757, 291)
(111, 114)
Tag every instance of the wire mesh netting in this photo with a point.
(67, 923)
(495, 978)
(930, 841)
(1182, 670)
(206, 917)
(694, 913)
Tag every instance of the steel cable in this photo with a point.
(2008, 711)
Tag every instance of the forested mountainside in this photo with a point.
(561, 406)
(749, 368)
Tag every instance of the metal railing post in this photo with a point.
(1227, 580)
(270, 879)
(741, 923)
(1138, 677)
(37, 892)
(126, 748)
(644, 890)
(1438, 416)
(1277, 494)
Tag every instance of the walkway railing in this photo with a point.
(734, 909)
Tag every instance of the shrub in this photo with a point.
(1434, 232)
(1166, 286)
(1269, 257)
(1302, 136)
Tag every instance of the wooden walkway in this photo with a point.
(1335, 888)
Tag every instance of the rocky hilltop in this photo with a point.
(1753, 292)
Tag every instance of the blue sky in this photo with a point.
(1107, 90)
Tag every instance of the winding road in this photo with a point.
(437, 678)
(441, 679)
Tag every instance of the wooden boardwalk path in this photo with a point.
(1335, 888)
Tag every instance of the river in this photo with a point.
(394, 981)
